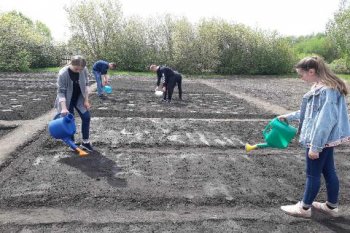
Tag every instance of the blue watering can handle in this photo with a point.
(59, 115)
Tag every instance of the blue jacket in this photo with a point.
(101, 66)
(323, 119)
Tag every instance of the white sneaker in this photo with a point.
(324, 208)
(296, 210)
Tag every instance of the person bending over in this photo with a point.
(100, 69)
(169, 78)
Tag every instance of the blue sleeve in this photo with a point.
(294, 116)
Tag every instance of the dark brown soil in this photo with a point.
(26, 96)
(160, 167)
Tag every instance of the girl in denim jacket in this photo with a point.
(323, 124)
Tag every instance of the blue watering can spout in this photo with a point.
(70, 143)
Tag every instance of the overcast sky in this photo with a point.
(288, 17)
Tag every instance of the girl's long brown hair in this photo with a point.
(327, 77)
(78, 60)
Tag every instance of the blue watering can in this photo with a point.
(107, 89)
(64, 128)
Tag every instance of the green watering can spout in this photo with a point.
(277, 134)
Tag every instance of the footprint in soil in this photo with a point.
(97, 166)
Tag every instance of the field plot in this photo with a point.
(200, 101)
(285, 92)
(26, 96)
(160, 167)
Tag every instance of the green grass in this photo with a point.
(46, 69)
(130, 73)
(201, 76)
(110, 72)
(346, 77)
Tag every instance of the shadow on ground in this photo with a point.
(97, 166)
(339, 224)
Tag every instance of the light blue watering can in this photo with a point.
(107, 89)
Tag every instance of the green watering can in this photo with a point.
(277, 134)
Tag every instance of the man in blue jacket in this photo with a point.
(99, 70)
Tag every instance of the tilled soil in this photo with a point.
(26, 96)
(160, 167)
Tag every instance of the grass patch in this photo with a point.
(197, 76)
(131, 73)
(110, 72)
(346, 77)
(46, 69)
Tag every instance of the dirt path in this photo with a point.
(259, 103)
(22, 135)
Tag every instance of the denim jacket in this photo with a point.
(323, 119)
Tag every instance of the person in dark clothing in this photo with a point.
(169, 79)
(99, 70)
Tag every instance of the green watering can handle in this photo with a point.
(268, 127)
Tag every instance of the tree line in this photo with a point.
(100, 31)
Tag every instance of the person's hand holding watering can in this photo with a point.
(313, 155)
(87, 105)
(64, 110)
(282, 118)
(105, 80)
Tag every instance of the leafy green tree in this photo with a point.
(95, 26)
(319, 44)
(133, 51)
(338, 30)
(24, 44)
(100, 32)
(160, 33)
(185, 47)
(208, 43)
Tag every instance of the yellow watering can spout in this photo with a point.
(249, 147)
(81, 152)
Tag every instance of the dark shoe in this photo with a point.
(102, 97)
(86, 146)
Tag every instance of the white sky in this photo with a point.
(288, 17)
